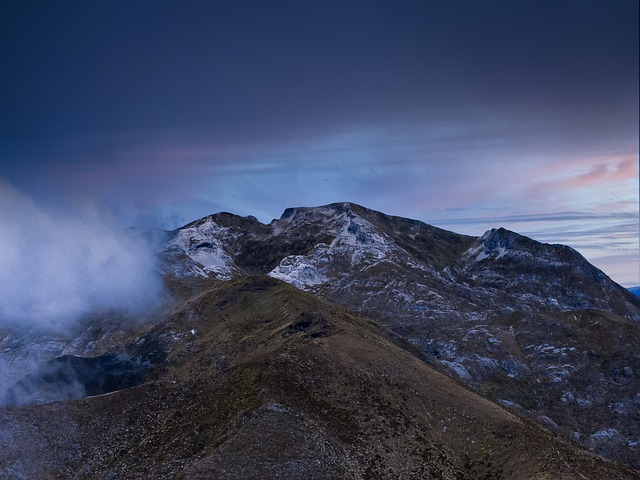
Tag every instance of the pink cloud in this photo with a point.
(623, 169)
(566, 177)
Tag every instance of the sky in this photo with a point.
(465, 114)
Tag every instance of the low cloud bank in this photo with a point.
(57, 264)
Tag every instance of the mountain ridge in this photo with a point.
(436, 243)
(262, 380)
(467, 303)
(382, 347)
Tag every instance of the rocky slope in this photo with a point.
(532, 326)
(254, 379)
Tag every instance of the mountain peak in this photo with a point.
(224, 219)
(501, 237)
(498, 242)
(326, 210)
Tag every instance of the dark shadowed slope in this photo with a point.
(255, 379)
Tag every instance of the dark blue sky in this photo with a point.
(465, 114)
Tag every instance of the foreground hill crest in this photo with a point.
(258, 379)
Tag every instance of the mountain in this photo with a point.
(252, 379)
(337, 342)
(531, 326)
(635, 290)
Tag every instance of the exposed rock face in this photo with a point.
(531, 325)
(257, 379)
(313, 248)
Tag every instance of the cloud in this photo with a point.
(605, 172)
(547, 218)
(624, 267)
(59, 264)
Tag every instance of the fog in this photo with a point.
(59, 262)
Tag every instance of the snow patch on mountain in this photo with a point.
(202, 243)
(458, 369)
(493, 244)
(355, 244)
(299, 272)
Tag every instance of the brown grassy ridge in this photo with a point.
(260, 380)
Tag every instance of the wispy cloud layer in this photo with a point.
(58, 264)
